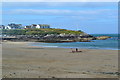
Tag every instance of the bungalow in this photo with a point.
(14, 26)
(27, 27)
(34, 26)
(42, 26)
(31, 26)
(2, 27)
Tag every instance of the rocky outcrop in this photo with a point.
(102, 37)
(54, 38)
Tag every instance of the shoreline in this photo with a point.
(23, 61)
(32, 44)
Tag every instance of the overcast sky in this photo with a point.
(91, 17)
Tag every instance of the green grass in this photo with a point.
(40, 31)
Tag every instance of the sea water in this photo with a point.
(110, 44)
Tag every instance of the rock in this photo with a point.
(102, 37)
(85, 39)
(53, 77)
(54, 38)
(14, 73)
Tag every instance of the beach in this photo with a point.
(20, 60)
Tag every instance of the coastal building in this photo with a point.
(2, 27)
(33, 26)
(42, 26)
(8, 27)
(19, 26)
(27, 27)
(14, 26)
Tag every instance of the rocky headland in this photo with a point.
(54, 38)
(50, 36)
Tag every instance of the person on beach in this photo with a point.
(76, 49)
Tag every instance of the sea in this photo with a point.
(109, 44)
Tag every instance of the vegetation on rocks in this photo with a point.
(39, 31)
(49, 35)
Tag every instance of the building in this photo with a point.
(19, 26)
(2, 27)
(34, 26)
(14, 26)
(42, 26)
(27, 27)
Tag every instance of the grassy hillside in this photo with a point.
(40, 31)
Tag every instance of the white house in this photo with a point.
(8, 27)
(27, 27)
(43, 26)
(2, 27)
(14, 26)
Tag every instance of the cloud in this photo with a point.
(60, 0)
(60, 4)
(60, 12)
(38, 11)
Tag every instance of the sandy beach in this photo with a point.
(20, 60)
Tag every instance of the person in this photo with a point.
(76, 49)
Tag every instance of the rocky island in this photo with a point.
(50, 35)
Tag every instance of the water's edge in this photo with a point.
(109, 44)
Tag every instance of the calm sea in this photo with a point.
(111, 43)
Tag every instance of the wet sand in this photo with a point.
(20, 60)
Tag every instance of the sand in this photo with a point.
(20, 60)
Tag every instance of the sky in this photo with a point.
(60, 0)
(90, 17)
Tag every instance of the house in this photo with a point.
(19, 26)
(33, 26)
(42, 26)
(27, 27)
(14, 26)
(2, 27)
